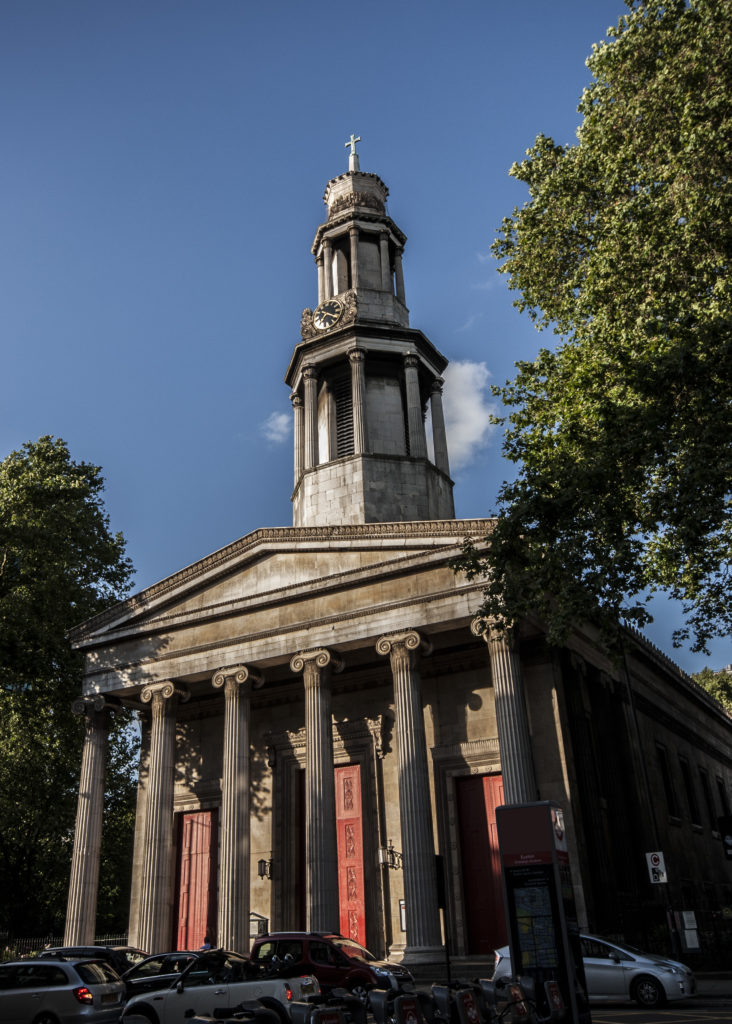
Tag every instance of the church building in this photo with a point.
(327, 728)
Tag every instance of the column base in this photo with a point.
(420, 955)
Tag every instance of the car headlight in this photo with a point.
(671, 970)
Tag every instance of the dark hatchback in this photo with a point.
(337, 962)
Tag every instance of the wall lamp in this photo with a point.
(264, 868)
(391, 857)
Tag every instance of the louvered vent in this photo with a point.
(344, 416)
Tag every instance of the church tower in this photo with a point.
(361, 378)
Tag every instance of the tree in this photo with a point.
(59, 564)
(623, 433)
(718, 684)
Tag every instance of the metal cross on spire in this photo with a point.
(353, 164)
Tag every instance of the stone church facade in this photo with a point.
(322, 714)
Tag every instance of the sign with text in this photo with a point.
(540, 906)
(656, 867)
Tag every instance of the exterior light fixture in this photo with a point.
(264, 868)
(391, 857)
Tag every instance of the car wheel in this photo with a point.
(139, 1017)
(360, 989)
(648, 992)
(46, 1018)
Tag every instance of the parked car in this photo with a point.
(73, 991)
(155, 972)
(216, 980)
(120, 957)
(620, 972)
(337, 962)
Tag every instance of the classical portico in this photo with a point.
(316, 699)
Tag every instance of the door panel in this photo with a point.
(349, 826)
(197, 858)
(477, 797)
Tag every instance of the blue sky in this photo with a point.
(161, 183)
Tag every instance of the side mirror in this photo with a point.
(179, 986)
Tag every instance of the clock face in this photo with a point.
(327, 314)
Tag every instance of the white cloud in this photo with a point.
(277, 427)
(468, 406)
(483, 257)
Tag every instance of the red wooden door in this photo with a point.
(485, 921)
(349, 825)
(196, 879)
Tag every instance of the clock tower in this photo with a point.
(361, 378)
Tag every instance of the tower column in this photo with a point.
(439, 435)
(358, 400)
(321, 847)
(385, 268)
(415, 423)
(156, 891)
(299, 436)
(81, 909)
(399, 275)
(327, 269)
(512, 721)
(310, 375)
(233, 923)
(424, 937)
(353, 235)
(321, 279)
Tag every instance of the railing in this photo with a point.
(17, 948)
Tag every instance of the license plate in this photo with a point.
(111, 997)
(307, 986)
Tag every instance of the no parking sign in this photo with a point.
(656, 866)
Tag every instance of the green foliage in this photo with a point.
(718, 684)
(59, 564)
(623, 433)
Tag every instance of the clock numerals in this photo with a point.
(327, 314)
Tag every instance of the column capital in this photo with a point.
(85, 705)
(410, 640)
(356, 355)
(165, 691)
(236, 676)
(310, 372)
(437, 385)
(493, 631)
(320, 655)
(410, 360)
(296, 399)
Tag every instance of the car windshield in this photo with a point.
(354, 950)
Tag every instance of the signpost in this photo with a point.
(540, 907)
(656, 867)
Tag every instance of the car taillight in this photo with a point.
(83, 995)
(288, 992)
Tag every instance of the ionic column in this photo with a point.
(415, 422)
(81, 909)
(399, 274)
(327, 269)
(156, 889)
(321, 848)
(321, 277)
(385, 267)
(424, 937)
(358, 400)
(310, 375)
(299, 434)
(233, 923)
(512, 721)
(439, 435)
(353, 234)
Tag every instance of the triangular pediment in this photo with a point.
(274, 566)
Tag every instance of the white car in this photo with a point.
(218, 979)
(616, 973)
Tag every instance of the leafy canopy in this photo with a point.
(59, 564)
(718, 684)
(623, 433)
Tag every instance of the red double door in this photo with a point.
(196, 878)
(477, 797)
